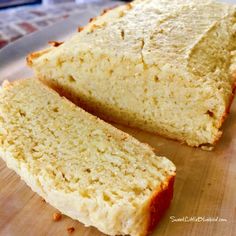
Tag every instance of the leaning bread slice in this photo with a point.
(163, 66)
(84, 167)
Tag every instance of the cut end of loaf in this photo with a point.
(159, 204)
(81, 165)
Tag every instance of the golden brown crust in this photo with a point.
(37, 54)
(107, 10)
(34, 55)
(159, 203)
(104, 12)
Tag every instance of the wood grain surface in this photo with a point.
(204, 200)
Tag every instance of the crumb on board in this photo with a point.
(70, 230)
(55, 43)
(56, 216)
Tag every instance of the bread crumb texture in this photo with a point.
(159, 65)
(84, 167)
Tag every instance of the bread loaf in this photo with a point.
(162, 66)
(84, 167)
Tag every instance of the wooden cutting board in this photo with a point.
(205, 189)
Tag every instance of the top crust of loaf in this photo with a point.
(106, 32)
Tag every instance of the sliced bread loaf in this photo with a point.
(84, 167)
(163, 66)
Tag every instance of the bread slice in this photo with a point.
(84, 167)
(162, 66)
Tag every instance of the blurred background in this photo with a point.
(21, 17)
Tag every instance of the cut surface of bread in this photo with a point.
(162, 66)
(84, 167)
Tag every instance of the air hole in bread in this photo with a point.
(210, 113)
(71, 78)
(85, 194)
(122, 33)
(154, 99)
(155, 78)
(106, 197)
(55, 109)
(22, 113)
